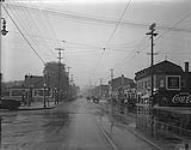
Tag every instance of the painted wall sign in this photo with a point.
(181, 99)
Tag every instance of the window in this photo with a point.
(173, 82)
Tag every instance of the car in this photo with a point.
(10, 104)
(95, 99)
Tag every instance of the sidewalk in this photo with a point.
(37, 106)
(127, 121)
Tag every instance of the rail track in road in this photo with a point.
(106, 136)
(114, 145)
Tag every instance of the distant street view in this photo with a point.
(95, 75)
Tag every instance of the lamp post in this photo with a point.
(3, 32)
(47, 82)
(44, 94)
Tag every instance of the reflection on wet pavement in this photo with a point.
(27, 129)
(71, 126)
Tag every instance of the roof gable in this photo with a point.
(161, 67)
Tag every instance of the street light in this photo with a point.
(44, 99)
(4, 31)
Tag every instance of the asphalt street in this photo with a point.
(76, 125)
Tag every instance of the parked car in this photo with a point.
(95, 99)
(10, 104)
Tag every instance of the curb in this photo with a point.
(30, 109)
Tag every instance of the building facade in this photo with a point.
(169, 80)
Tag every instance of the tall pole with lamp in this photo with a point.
(44, 94)
(3, 32)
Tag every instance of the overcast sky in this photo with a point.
(98, 35)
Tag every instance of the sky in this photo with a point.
(96, 35)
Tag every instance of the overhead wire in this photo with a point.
(18, 17)
(28, 42)
(117, 25)
(32, 24)
(25, 27)
(172, 29)
(105, 21)
(112, 34)
(40, 29)
(174, 25)
(48, 26)
(169, 29)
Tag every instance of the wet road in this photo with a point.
(76, 125)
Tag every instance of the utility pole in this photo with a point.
(100, 88)
(72, 79)
(111, 86)
(59, 71)
(111, 100)
(72, 84)
(68, 81)
(152, 34)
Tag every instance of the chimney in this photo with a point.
(186, 66)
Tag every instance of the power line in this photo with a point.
(28, 42)
(170, 29)
(25, 26)
(41, 30)
(30, 24)
(103, 20)
(178, 22)
(117, 25)
(173, 26)
(23, 20)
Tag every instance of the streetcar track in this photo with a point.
(141, 137)
(112, 143)
(106, 136)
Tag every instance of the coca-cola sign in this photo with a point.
(181, 99)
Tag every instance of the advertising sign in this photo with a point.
(181, 99)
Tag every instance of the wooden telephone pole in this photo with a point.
(59, 71)
(152, 35)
